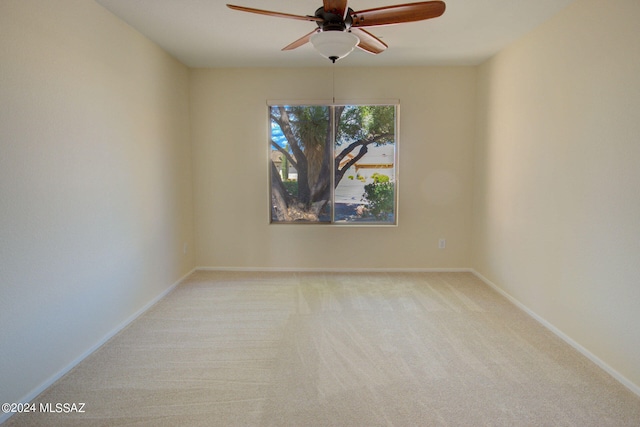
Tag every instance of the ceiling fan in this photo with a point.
(340, 29)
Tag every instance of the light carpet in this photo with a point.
(333, 349)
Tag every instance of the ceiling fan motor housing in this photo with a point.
(332, 21)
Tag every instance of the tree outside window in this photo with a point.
(333, 164)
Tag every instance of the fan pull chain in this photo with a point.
(333, 82)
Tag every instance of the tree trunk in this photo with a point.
(280, 198)
(304, 192)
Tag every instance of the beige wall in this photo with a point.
(95, 183)
(230, 129)
(557, 205)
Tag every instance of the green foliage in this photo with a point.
(360, 122)
(311, 124)
(291, 186)
(379, 178)
(380, 196)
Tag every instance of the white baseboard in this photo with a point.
(47, 383)
(615, 374)
(335, 270)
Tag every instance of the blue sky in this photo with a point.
(277, 135)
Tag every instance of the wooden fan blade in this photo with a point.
(302, 40)
(398, 14)
(369, 42)
(276, 14)
(337, 7)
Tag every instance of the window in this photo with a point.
(333, 164)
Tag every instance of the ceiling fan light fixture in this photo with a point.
(334, 44)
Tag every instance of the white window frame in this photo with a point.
(333, 222)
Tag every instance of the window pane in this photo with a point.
(300, 164)
(365, 151)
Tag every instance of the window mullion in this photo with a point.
(333, 124)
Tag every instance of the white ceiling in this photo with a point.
(205, 33)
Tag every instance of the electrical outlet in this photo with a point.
(184, 248)
(442, 243)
